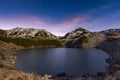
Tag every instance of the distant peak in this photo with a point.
(18, 28)
(81, 29)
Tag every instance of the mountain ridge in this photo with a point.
(79, 37)
(30, 33)
(77, 29)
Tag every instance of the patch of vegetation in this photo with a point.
(30, 42)
(83, 39)
(3, 33)
(41, 33)
(111, 34)
(14, 33)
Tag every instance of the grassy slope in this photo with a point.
(30, 42)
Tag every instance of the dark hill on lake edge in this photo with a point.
(108, 41)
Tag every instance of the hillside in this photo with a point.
(30, 33)
(85, 39)
(29, 43)
(29, 37)
(3, 32)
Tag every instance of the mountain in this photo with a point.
(76, 33)
(30, 37)
(83, 38)
(30, 33)
(86, 39)
(111, 31)
(77, 38)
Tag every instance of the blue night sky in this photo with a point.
(60, 16)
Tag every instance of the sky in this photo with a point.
(60, 16)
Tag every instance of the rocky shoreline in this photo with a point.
(112, 70)
(8, 64)
(113, 49)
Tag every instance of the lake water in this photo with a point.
(58, 60)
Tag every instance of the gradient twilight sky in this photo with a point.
(60, 16)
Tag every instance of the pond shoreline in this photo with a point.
(113, 70)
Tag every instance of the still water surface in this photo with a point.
(58, 60)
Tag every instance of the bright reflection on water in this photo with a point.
(57, 60)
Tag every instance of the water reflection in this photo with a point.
(57, 60)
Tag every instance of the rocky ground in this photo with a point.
(113, 49)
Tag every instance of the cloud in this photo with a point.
(110, 20)
(75, 21)
(22, 21)
(37, 22)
